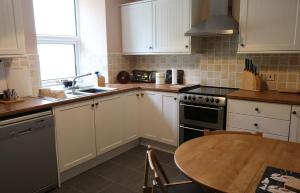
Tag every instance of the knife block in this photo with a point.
(251, 82)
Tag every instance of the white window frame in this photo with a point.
(64, 40)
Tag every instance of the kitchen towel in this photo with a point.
(174, 76)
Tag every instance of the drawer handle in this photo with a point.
(255, 125)
(256, 109)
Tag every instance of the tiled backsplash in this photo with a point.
(218, 64)
(116, 63)
(31, 62)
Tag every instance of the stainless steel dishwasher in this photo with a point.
(27, 153)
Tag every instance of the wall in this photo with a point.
(116, 61)
(93, 38)
(219, 65)
(113, 26)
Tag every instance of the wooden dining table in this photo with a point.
(234, 163)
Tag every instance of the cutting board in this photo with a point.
(18, 78)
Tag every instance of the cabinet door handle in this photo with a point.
(294, 112)
(97, 104)
(92, 106)
(241, 39)
(137, 95)
(142, 94)
(150, 47)
(255, 125)
(187, 46)
(175, 98)
(256, 109)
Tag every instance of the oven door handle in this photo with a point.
(202, 107)
(199, 130)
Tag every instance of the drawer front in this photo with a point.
(262, 124)
(266, 135)
(279, 137)
(239, 129)
(271, 110)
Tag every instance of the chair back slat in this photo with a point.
(160, 178)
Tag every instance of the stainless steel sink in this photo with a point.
(87, 91)
(93, 90)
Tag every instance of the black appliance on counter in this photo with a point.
(143, 76)
(201, 108)
(180, 74)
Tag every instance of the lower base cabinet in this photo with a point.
(295, 124)
(160, 117)
(88, 129)
(273, 120)
(108, 115)
(75, 134)
(131, 114)
(116, 121)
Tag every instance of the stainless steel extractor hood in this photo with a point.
(219, 20)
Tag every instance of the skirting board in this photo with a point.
(111, 154)
(157, 145)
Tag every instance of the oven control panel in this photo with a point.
(203, 99)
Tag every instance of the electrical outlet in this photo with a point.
(269, 77)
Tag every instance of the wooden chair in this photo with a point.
(161, 182)
(209, 132)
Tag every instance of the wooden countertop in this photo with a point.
(266, 96)
(30, 104)
(35, 103)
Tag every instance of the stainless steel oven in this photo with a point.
(200, 112)
(187, 133)
(200, 115)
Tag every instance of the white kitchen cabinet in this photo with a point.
(269, 26)
(158, 26)
(172, 20)
(75, 134)
(159, 120)
(137, 27)
(11, 30)
(295, 125)
(273, 120)
(260, 109)
(169, 127)
(151, 105)
(109, 123)
(131, 115)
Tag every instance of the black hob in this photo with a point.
(205, 95)
(207, 90)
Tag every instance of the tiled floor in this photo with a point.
(122, 174)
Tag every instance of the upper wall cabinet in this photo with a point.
(11, 30)
(269, 26)
(172, 20)
(137, 30)
(156, 27)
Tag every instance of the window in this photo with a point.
(57, 38)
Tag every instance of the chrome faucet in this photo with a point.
(73, 87)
